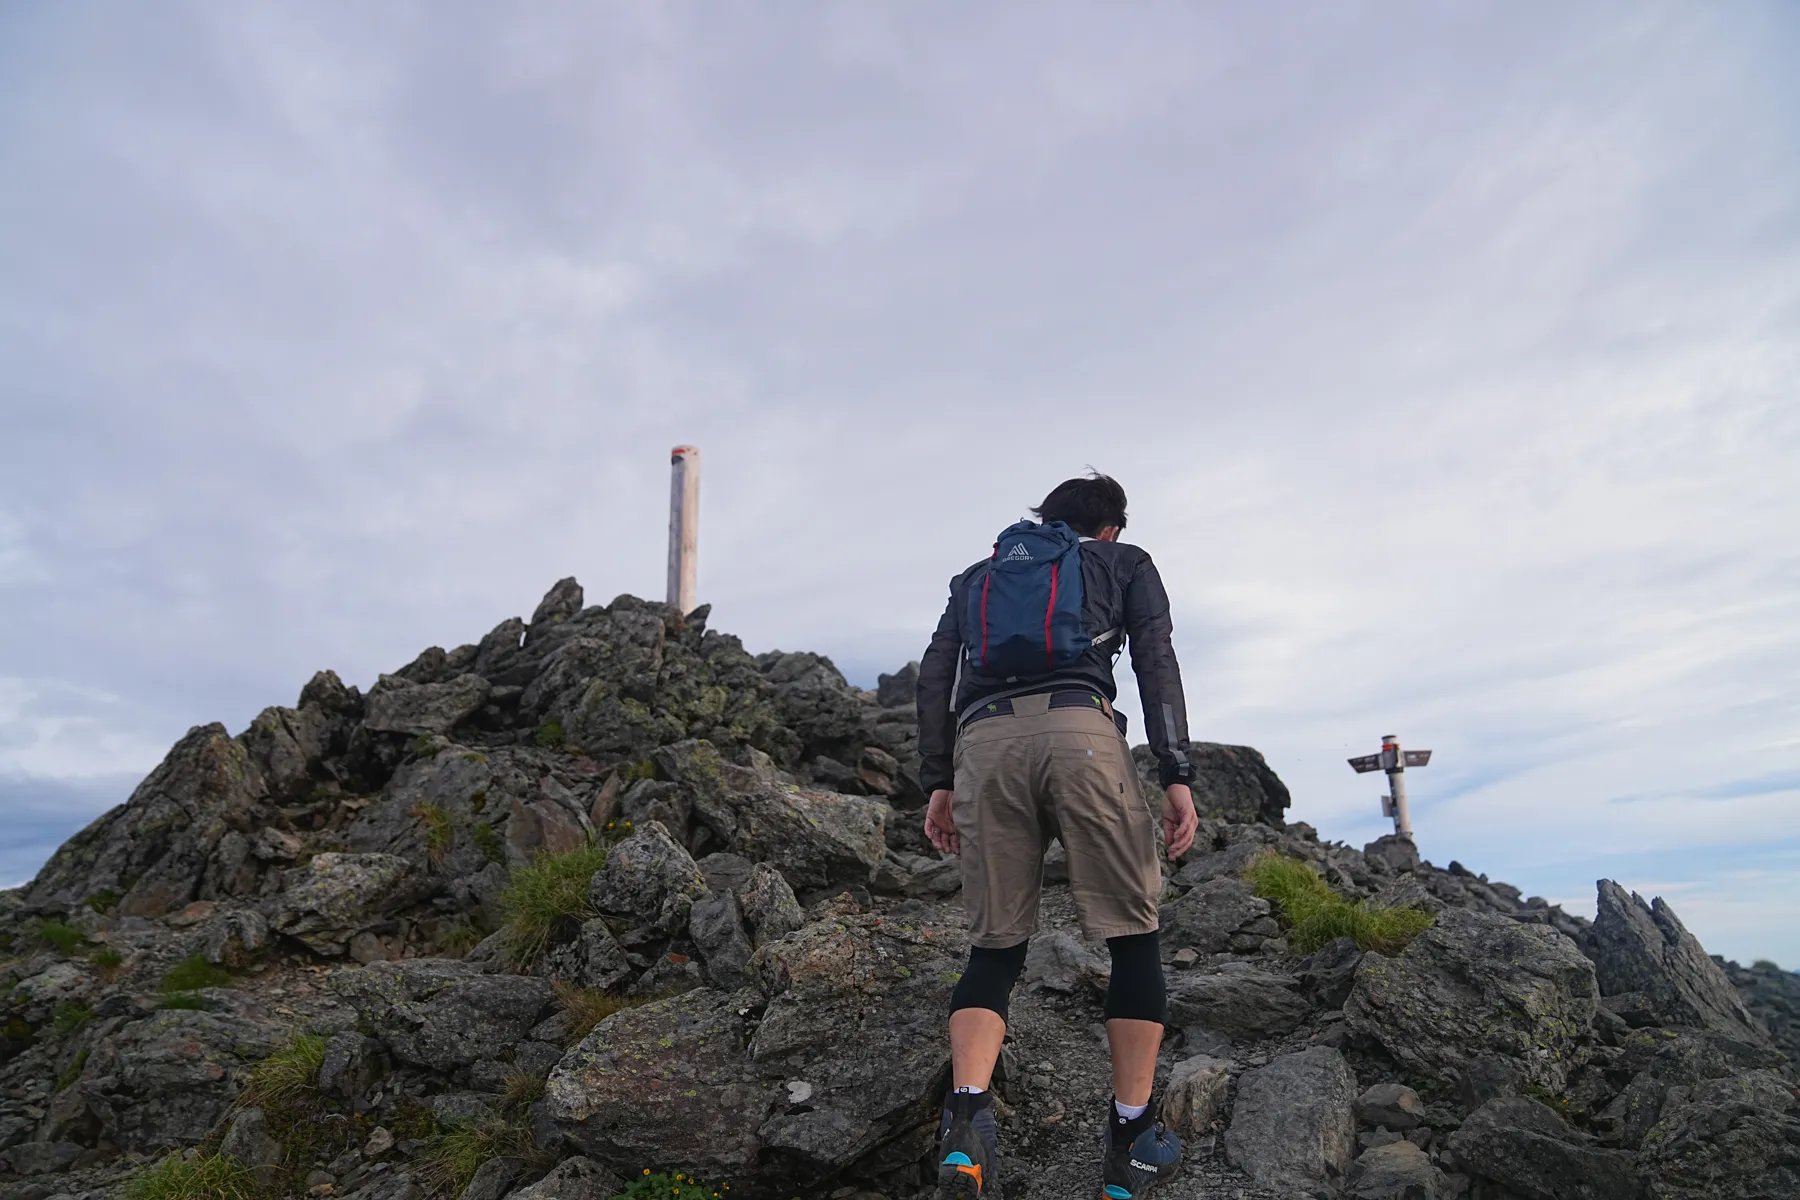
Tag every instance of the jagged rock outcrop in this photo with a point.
(1649, 965)
(1291, 1126)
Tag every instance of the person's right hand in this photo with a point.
(940, 827)
(1180, 821)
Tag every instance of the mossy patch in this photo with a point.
(61, 936)
(549, 735)
(193, 973)
(1314, 914)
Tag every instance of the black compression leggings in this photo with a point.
(1135, 992)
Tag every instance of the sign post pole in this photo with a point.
(684, 526)
(1394, 761)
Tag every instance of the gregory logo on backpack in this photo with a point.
(1024, 616)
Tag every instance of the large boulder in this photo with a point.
(168, 1079)
(1238, 1000)
(184, 834)
(649, 878)
(815, 839)
(1736, 1138)
(1292, 1125)
(1644, 951)
(395, 705)
(334, 897)
(1476, 985)
(1233, 782)
(1525, 1147)
(440, 1013)
(1395, 1171)
(1206, 917)
(1665, 1067)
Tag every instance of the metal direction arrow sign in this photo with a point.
(1394, 761)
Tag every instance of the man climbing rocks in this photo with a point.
(1021, 744)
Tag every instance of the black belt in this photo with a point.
(1071, 698)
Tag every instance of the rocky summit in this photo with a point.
(602, 905)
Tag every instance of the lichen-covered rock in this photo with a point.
(815, 839)
(234, 939)
(336, 896)
(169, 1078)
(650, 878)
(1206, 917)
(1194, 1097)
(1238, 1000)
(1291, 1124)
(440, 1013)
(769, 905)
(1474, 985)
(1665, 1066)
(717, 929)
(1644, 949)
(183, 835)
(396, 706)
(575, 1178)
(1396, 1171)
(1734, 1138)
(1392, 1106)
(1525, 1147)
(1233, 782)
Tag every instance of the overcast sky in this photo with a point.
(1448, 352)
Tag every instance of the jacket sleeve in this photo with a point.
(1151, 633)
(937, 712)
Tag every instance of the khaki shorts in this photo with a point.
(1046, 773)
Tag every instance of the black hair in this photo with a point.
(1085, 505)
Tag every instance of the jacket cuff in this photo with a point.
(936, 776)
(1173, 773)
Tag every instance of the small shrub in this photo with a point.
(69, 1017)
(109, 960)
(549, 734)
(73, 1071)
(459, 940)
(488, 842)
(193, 973)
(521, 1089)
(550, 893)
(440, 834)
(450, 1159)
(642, 769)
(587, 1007)
(287, 1081)
(103, 901)
(667, 1185)
(206, 1177)
(1315, 915)
(64, 937)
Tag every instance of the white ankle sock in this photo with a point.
(970, 1091)
(1130, 1112)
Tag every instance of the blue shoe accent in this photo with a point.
(1129, 1168)
(1116, 1192)
(958, 1159)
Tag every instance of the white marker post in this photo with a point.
(684, 526)
(1394, 761)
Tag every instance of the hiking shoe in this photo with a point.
(1136, 1155)
(967, 1160)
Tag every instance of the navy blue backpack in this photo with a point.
(1024, 617)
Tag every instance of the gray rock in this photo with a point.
(593, 959)
(815, 839)
(351, 1066)
(492, 1179)
(395, 706)
(1672, 1069)
(1291, 1125)
(1398, 1171)
(1207, 916)
(1058, 962)
(575, 1178)
(717, 928)
(559, 604)
(399, 1185)
(442, 1013)
(1228, 863)
(1237, 1000)
(899, 690)
(770, 906)
(725, 872)
(1391, 854)
(1644, 948)
(336, 896)
(41, 1158)
(381, 1140)
(1194, 1097)
(461, 1109)
(1330, 972)
(650, 878)
(1734, 1138)
(234, 939)
(1392, 1106)
(1477, 985)
(250, 1142)
(1229, 781)
(1524, 1146)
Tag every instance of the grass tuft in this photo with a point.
(449, 1160)
(440, 834)
(549, 734)
(550, 893)
(204, 1177)
(458, 940)
(61, 935)
(73, 1071)
(488, 842)
(522, 1089)
(287, 1082)
(193, 973)
(103, 901)
(69, 1017)
(587, 1007)
(1315, 915)
(109, 960)
(185, 1001)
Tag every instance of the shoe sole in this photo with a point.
(957, 1185)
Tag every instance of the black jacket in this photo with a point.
(1122, 593)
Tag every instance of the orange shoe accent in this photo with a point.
(974, 1170)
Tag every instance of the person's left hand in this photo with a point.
(1180, 821)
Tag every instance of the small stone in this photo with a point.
(1187, 956)
(316, 1178)
(381, 1140)
(1392, 1106)
(799, 1091)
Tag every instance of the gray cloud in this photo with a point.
(1447, 355)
